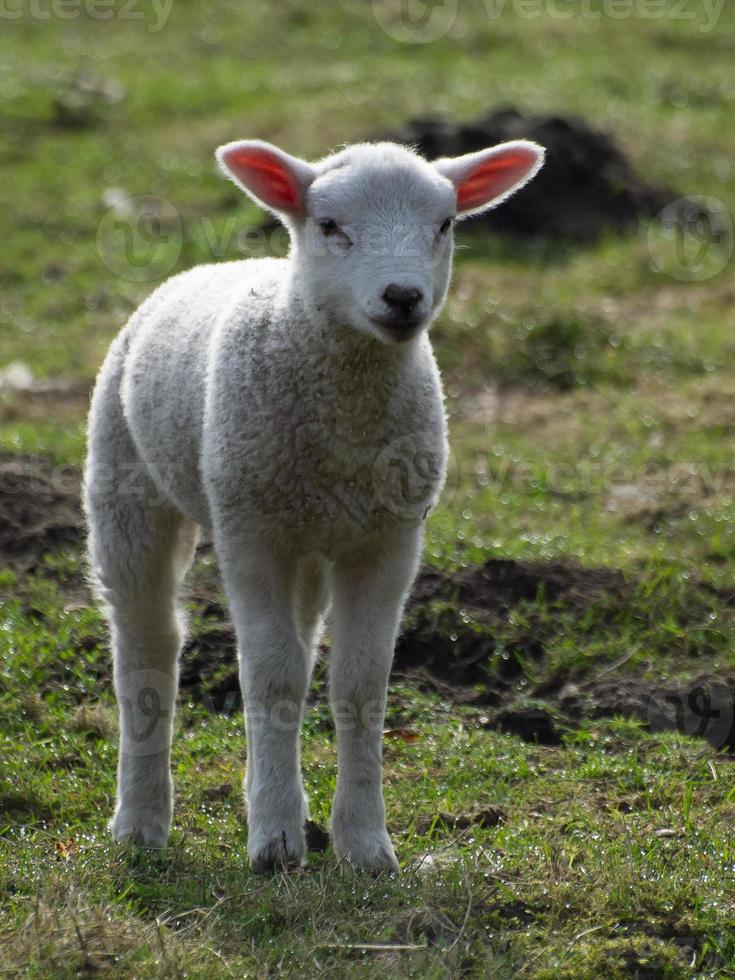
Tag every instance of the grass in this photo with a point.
(613, 851)
(590, 399)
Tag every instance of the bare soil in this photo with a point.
(39, 509)
(449, 642)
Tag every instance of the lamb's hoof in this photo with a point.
(145, 829)
(276, 854)
(371, 852)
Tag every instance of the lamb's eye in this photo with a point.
(446, 225)
(328, 226)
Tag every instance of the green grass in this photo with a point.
(591, 408)
(612, 849)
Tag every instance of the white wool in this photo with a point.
(294, 409)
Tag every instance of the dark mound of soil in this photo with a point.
(208, 670)
(39, 509)
(452, 641)
(448, 640)
(585, 187)
(532, 723)
(701, 707)
(447, 643)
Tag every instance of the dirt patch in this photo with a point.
(449, 638)
(62, 400)
(481, 816)
(26, 808)
(446, 644)
(317, 837)
(585, 187)
(531, 722)
(701, 707)
(39, 509)
(209, 670)
(471, 636)
(449, 645)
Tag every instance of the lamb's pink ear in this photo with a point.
(271, 177)
(486, 178)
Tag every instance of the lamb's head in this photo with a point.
(372, 226)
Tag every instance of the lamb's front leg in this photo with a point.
(369, 595)
(274, 673)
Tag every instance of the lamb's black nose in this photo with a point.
(402, 299)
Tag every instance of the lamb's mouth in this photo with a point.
(399, 330)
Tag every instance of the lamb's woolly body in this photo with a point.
(284, 417)
(262, 400)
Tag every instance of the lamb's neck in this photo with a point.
(348, 355)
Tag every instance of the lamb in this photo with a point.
(293, 409)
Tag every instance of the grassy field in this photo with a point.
(591, 400)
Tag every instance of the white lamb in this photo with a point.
(293, 408)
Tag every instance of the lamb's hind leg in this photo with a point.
(140, 549)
